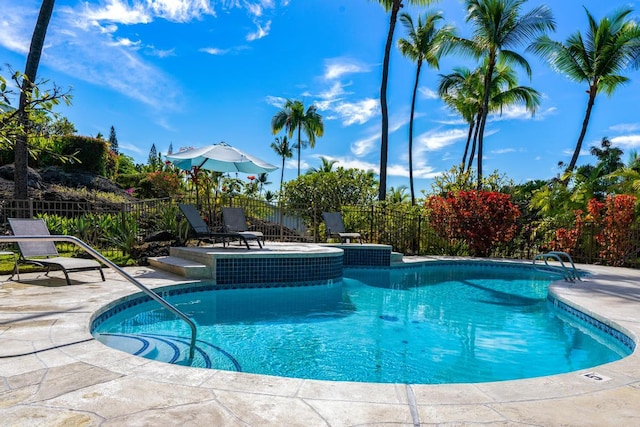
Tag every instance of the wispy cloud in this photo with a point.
(519, 112)
(436, 140)
(276, 101)
(357, 112)
(503, 151)
(143, 12)
(335, 68)
(366, 145)
(262, 30)
(625, 127)
(428, 93)
(86, 41)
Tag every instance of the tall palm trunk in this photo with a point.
(472, 125)
(299, 146)
(474, 143)
(384, 143)
(413, 108)
(485, 112)
(20, 191)
(593, 90)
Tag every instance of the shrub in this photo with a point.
(480, 218)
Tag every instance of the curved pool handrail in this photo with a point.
(562, 269)
(573, 270)
(97, 255)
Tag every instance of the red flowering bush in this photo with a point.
(613, 218)
(566, 240)
(480, 218)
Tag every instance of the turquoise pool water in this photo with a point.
(422, 325)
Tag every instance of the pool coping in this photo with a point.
(52, 371)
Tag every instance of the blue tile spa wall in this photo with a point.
(287, 270)
(366, 257)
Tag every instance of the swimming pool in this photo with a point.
(437, 323)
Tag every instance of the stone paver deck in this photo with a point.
(53, 373)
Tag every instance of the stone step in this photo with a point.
(182, 267)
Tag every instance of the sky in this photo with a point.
(188, 73)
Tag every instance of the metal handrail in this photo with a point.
(97, 255)
(562, 269)
(573, 266)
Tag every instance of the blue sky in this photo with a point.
(197, 72)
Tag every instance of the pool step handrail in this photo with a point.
(573, 271)
(570, 275)
(98, 256)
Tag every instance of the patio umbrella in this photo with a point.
(220, 157)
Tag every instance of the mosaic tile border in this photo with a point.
(591, 321)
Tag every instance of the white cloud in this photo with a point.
(123, 41)
(15, 28)
(276, 101)
(428, 93)
(214, 51)
(160, 53)
(337, 67)
(625, 127)
(357, 112)
(436, 140)
(503, 151)
(130, 12)
(519, 112)
(626, 141)
(364, 146)
(260, 32)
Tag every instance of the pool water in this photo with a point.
(422, 325)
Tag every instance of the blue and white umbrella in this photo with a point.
(220, 157)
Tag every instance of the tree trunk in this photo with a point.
(472, 125)
(593, 90)
(485, 112)
(474, 143)
(299, 148)
(413, 107)
(20, 191)
(384, 143)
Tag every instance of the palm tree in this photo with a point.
(292, 117)
(327, 166)
(598, 58)
(498, 28)
(425, 43)
(397, 195)
(262, 180)
(461, 90)
(394, 7)
(464, 90)
(20, 191)
(283, 149)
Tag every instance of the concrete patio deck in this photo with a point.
(53, 373)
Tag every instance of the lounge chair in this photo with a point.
(235, 221)
(335, 228)
(44, 253)
(202, 231)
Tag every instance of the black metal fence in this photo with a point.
(121, 226)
